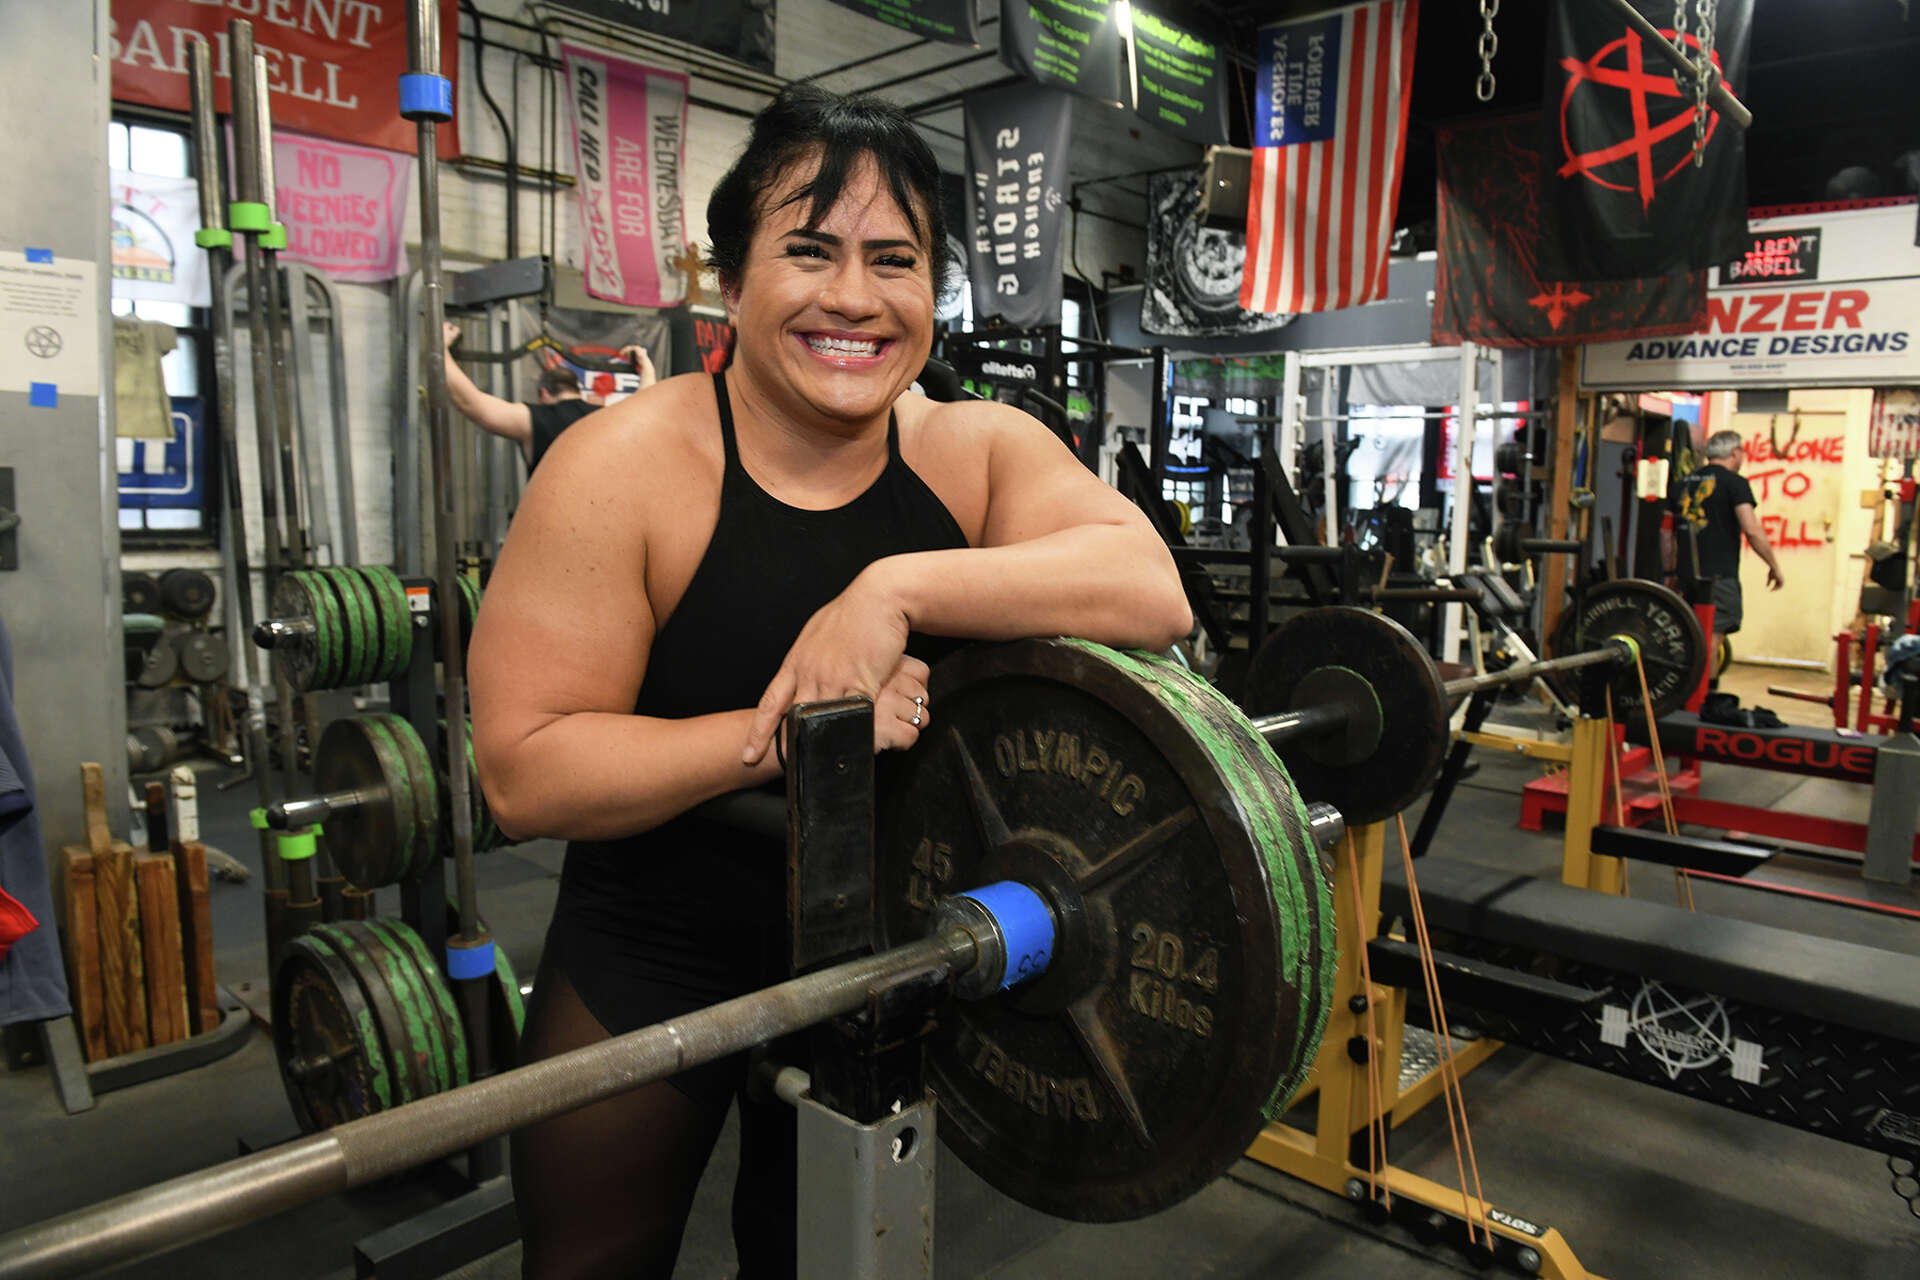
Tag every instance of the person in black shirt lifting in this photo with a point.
(534, 427)
(1715, 502)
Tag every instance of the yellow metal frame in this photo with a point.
(1339, 1089)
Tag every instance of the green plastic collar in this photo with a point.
(296, 846)
(249, 216)
(213, 238)
(258, 818)
(274, 237)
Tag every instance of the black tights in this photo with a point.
(606, 1190)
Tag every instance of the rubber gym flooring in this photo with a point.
(1639, 1181)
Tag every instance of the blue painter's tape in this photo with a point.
(469, 962)
(1024, 922)
(426, 97)
(43, 395)
(39, 255)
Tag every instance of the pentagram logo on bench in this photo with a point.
(44, 341)
(1661, 144)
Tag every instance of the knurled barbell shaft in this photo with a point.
(284, 815)
(194, 1206)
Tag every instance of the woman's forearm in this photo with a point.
(1106, 583)
(598, 775)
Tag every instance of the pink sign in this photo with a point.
(345, 206)
(629, 127)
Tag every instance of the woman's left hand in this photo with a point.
(850, 648)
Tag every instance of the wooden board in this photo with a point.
(196, 935)
(160, 948)
(82, 938)
(117, 905)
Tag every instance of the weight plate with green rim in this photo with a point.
(332, 1062)
(425, 1034)
(425, 786)
(371, 842)
(299, 659)
(398, 629)
(353, 628)
(434, 982)
(407, 1074)
(373, 669)
(1191, 980)
(332, 629)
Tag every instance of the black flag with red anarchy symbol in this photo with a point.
(1618, 137)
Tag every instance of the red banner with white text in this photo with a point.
(333, 66)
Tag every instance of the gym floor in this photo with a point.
(1640, 1182)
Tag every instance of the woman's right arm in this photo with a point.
(558, 654)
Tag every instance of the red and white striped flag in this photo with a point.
(1330, 131)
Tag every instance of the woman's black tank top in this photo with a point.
(689, 904)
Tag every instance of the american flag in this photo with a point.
(1330, 130)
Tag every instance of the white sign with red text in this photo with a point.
(1855, 324)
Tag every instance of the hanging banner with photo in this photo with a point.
(1180, 80)
(1617, 141)
(152, 225)
(1492, 285)
(740, 29)
(1074, 45)
(1193, 271)
(1016, 206)
(1893, 430)
(332, 69)
(948, 21)
(629, 130)
(599, 335)
(345, 207)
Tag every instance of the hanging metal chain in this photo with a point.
(1706, 14)
(1489, 46)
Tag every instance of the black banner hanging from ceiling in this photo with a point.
(1193, 271)
(1074, 45)
(1617, 144)
(1180, 80)
(948, 21)
(739, 29)
(1016, 203)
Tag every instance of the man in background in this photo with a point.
(1712, 509)
(534, 427)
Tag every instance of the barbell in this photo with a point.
(1153, 961)
(1359, 714)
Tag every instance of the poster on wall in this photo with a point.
(344, 206)
(1016, 206)
(1074, 45)
(1193, 271)
(1180, 79)
(1853, 322)
(1893, 429)
(332, 69)
(629, 125)
(740, 29)
(598, 335)
(947, 21)
(151, 225)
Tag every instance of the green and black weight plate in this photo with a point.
(355, 642)
(305, 661)
(327, 1039)
(426, 1038)
(396, 619)
(1395, 731)
(332, 628)
(1659, 624)
(366, 957)
(428, 820)
(1195, 961)
(375, 666)
(372, 841)
(486, 836)
(433, 986)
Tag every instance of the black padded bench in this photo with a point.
(1817, 1033)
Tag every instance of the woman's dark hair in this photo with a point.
(803, 121)
(559, 381)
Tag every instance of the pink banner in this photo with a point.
(629, 129)
(345, 206)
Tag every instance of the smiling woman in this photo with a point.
(692, 561)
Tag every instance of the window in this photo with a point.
(168, 487)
